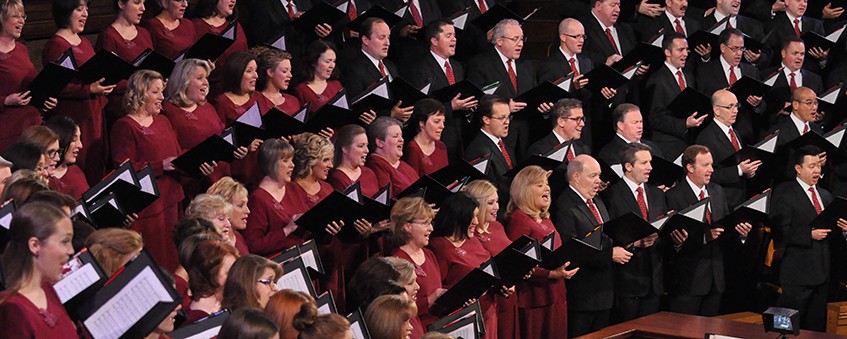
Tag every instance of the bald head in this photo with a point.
(571, 36)
(584, 175)
(804, 104)
(725, 107)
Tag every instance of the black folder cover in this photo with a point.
(358, 326)
(105, 65)
(296, 277)
(214, 321)
(543, 93)
(76, 286)
(50, 81)
(432, 191)
(402, 90)
(107, 212)
(691, 219)
(214, 148)
(472, 286)
(134, 191)
(628, 228)
(152, 60)
(747, 86)
(688, 102)
(335, 207)
(517, 260)
(577, 251)
(753, 211)
(757, 151)
(837, 209)
(210, 46)
(376, 97)
(376, 11)
(326, 303)
(472, 312)
(665, 172)
(321, 13)
(644, 53)
(604, 76)
(456, 171)
(378, 207)
(464, 88)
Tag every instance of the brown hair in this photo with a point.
(240, 287)
(267, 59)
(405, 210)
(40, 136)
(314, 326)
(205, 264)
(344, 138)
(283, 307)
(36, 220)
(271, 152)
(248, 324)
(233, 71)
(387, 315)
(21, 190)
(113, 246)
(689, 156)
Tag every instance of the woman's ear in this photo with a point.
(34, 246)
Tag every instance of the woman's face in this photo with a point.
(357, 152)
(474, 223)
(52, 253)
(492, 205)
(223, 272)
(76, 23)
(198, 85)
(321, 168)
(412, 288)
(392, 146)
(240, 211)
(132, 10)
(175, 9)
(52, 156)
(13, 23)
(265, 291)
(225, 7)
(248, 79)
(540, 195)
(407, 329)
(167, 325)
(222, 225)
(325, 65)
(419, 230)
(433, 126)
(73, 148)
(41, 167)
(280, 76)
(154, 97)
(285, 168)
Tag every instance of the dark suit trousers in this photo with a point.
(584, 322)
(810, 301)
(628, 308)
(708, 305)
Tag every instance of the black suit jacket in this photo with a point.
(648, 27)
(481, 145)
(752, 28)
(696, 266)
(788, 131)
(806, 261)
(592, 289)
(361, 73)
(734, 186)
(269, 18)
(780, 93)
(556, 67)
(783, 27)
(711, 77)
(669, 132)
(644, 272)
(598, 47)
(611, 153)
(405, 47)
(550, 141)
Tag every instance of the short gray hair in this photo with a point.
(499, 30)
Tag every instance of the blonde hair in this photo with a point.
(387, 315)
(112, 246)
(481, 190)
(404, 211)
(208, 206)
(7, 6)
(177, 88)
(309, 148)
(137, 86)
(405, 268)
(521, 191)
(228, 188)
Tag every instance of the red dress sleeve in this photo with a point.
(264, 233)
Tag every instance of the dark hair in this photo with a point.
(367, 26)
(344, 138)
(240, 287)
(116, 6)
(65, 128)
(788, 39)
(804, 151)
(233, 70)
(486, 105)
(204, 265)
(562, 109)
(434, 28)
(689, 156)
(629, 150)
(188, 227)
(36, 220)
(23, 155)
(21, 190)
(54, 198)
(667, 40)
(724, 37)
(424, 109)
(454, 217)
(248, 323)
(82, 230)
(62, 10)
(206, 8)
(374, 277)
(619, 113)
(314, 326)
(188, 245)
(312, 55)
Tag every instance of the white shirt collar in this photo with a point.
(733, 20)
(495, 140)
(805, 187)
(603, 26)
(439, 60)
(504, 59)
(632, 185)
(568, 57)
(696, 189)
(375, 62)
(791, 19)
(725, 68)
(799, 124)
(798, 76)
(559, 137)
(584, 199)
(673, 70)
(673, 18)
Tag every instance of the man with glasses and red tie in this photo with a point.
(790, 76)
(495, 119)
(568, 119)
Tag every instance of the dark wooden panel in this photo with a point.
(39, 24)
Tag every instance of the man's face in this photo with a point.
(377, 43)
(700, 172)
(511, 43)
(796, 8)
(607, 11)
(444, 43)
(678, 53)
(793, 55)
(498, 123)
(5, 173)
(806, 105)
(632, 126)
(588, 181)
(573, 38)
(726, 108)
(639, 172)
(810, 170)
(728, 7)
(571, 126)
(676, 7)
(733, 50)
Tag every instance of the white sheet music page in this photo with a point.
(207, 334)
(294, 280)
(467, 331)
(76, 282)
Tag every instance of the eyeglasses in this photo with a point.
(503, 118)
(268, 282)
(516, 39)
(730, 106)
(577, 120)
(810, 102)
(736, 49)
(577, 36)
(53, 153)
(19, 16)
(422, 223)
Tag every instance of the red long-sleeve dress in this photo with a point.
(202, 27)
(17, 71)
(72, 183)
(22, 319)
(425, 164)
(429, 279)
(170, 43)
(290, 106)
(128, 50)
(367, 181)
(315, 100)
(264, 233)
(400, 178)
(245, 170)
(191, 129)
(494, 241)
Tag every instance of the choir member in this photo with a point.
(274, 71)
(25, 155)
(408, 279)
(320, 75)
(310, 325)
(269, 226)
(426, 153)
(411, 225)
(496, 120)
(458, 250)
(285, 306)
(375, 277)
(629, 128)
(270, 19)
(388, 317)
(676, 19)
(493, 237)
(84, 103)
(791, 75)
(67, 177)
(793, 23)
(542, 303)
(126, 39)
(250, 283)
(248, 323)
(236, 194)
(47, 141)
(21, 189)
(351, 151)
(17, 71)
(189, 232)
(166, 326)
(113, 248)
(39, 246)
(385, 137)
(216, 210)
(5, 172)
(239, 83)
(747, 25)
(214, 17)
(144, 137)
(170, 31)
(568, 126)
(208, 269)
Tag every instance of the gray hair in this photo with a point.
(499, 30)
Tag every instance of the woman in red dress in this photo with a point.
(84, 103)
(215, 16)
(542, 299)
(128, 40)
(321, 80)
(29, 307)
(145, 137)
(269, 227)
(67, 177)
(171, 32)
(274, 71)
(411, 225)
(208, 269)
(351, 152)
(493, 237)
(385, 136)
(427, 153)
(458, 251)
(17, 71)
(234, 192)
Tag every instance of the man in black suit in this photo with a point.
(673, 20)
(419, 14)
(791, 75)
(801, 120)
(804, 273)
(629, 128)
(578, 212)
(568, 123)
(794, 23)
(472, 39)
(496, 120)
(270, 18)
(720, 137)
(370, 65)
(638, 282)
(669, 132)
(695, 263)
(750, 26)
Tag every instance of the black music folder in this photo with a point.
(747, 86)
(762, 150)
(378, 207)
(52, 79)
(812, 39)
(486, 21)
(754, 211)
(464, 89)
(214, 148)
(402, 90)
(577, 251)
(604, 76)
(376, 97)
(132, 302)
(837, 209)
(134, 190)
(358, 326)
(543, 93)
(280, 124)
(810, 138)
(106, 212)
(534, 160)
(248, 127)
(692, 219)
(6, 213)
(688, 102)
(429, 189)
(296, 277)
(836, 136)
(471, 286)
(321, 13)
(78, 285)
(516, 261)
(377, 11)
(211, 46)
(457, 171)
(448, 322)
(465, 328)
(105, 65)
(628, 228)
(307, 252)
(336, 207)
(207, 327)
(326, 303)
(152, 60)
(665, 172)
(334, 114)
(646, 53)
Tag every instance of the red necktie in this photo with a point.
(612, 40)
(482, 6)
(680, 79)
(806, 128)
(594, 211)
(291, 9)
(512, 76)
(679, 27)
(572, 61)
(351, 11)
(708, 210)
(792, 83)
(570, 154)
(729, 24)
(451, 78)
(815, 202)
(505, 153)
(732, 77)
(382, 69)
(642, 204)
(797, 27)
(734, 140)
(416, 14)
